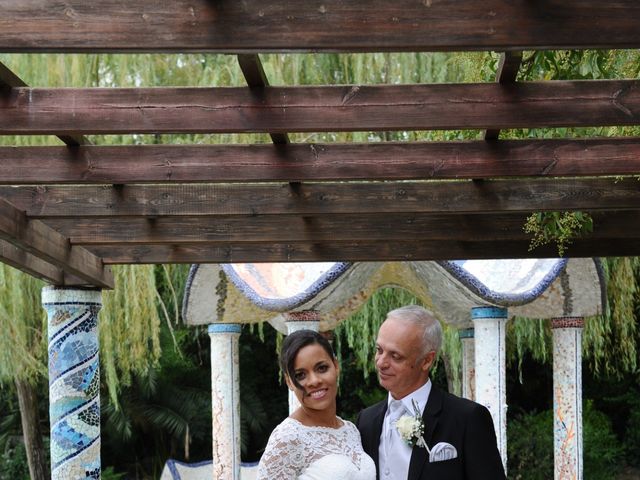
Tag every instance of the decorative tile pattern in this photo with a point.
(567, 322)
(567, 398)
(74, 382)
(302, 316)
(289, 302)
(491, 368)
(512, 296)
(225, 400)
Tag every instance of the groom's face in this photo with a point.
(400, 361)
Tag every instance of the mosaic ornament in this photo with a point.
(74, 382)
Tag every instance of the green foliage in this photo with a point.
(13, 463)
(263, 401)
(632, 431)
(557, 227)
(610, 340)
(530, 440)
(129, 327)
(165, 413)
(110, 474)
(360, 330)
(528, 336)
(23, 343)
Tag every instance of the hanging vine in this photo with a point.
(23, 323)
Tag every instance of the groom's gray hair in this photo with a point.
(432, 336)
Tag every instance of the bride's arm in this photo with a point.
(281, 458)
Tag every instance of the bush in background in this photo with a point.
(530, 446)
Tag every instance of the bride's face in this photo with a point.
(317, 374)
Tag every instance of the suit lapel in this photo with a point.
(419, 455)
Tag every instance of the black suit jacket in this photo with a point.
(464, 424)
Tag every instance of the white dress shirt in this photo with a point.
(394, 453)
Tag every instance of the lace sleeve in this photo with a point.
(282, 457)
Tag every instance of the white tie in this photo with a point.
(396, 410)
(393, 444)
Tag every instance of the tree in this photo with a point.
(22, 356)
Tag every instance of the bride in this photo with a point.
(313, 443)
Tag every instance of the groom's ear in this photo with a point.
(427, 363)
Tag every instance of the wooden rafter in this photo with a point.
(67, 211)
(43, 242)
(357, 251)
(506, 75)
(312, 109)
(332, 25)
(315, 199)
(317, 162)
(257, 81)
(9, 81)
(35, 266)
(325, 229)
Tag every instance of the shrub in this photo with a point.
(632, 435)
(13, 463)
(530, 446)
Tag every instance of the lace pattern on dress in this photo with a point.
(293, 446)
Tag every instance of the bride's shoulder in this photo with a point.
(286, 431)
(349, 426)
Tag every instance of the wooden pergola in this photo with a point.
(68, 212)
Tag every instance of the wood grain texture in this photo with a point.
(307, 25)
(38, 239)
(318, 162)
(71, 111)
(323, 230)
(357, 251)
(317, 199)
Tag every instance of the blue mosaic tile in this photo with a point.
(74, 383)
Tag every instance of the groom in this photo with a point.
(458, 432)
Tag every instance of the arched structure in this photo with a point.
(469, 295)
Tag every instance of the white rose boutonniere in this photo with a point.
(411, 428)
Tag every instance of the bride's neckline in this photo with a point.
(320, 427)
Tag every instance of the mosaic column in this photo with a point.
(74, 381)
(490, 326)
(567, 397)
(304, 320)
(466, 336)
(225, 399)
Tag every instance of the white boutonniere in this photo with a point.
(411, 428)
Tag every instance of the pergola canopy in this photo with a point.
(68, 212)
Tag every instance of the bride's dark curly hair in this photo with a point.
(293, 343)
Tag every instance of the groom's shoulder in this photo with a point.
(462, 405)
(372, 409)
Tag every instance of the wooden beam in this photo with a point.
(318, 162)
(323, 229)
(332, 25)
(358, 251)
(40, 240)
(31, 111)
(507, 72)
(248, 200)
(23, 260)
(257, 80)
(9, 80)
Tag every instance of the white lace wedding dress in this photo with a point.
(298, 452)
